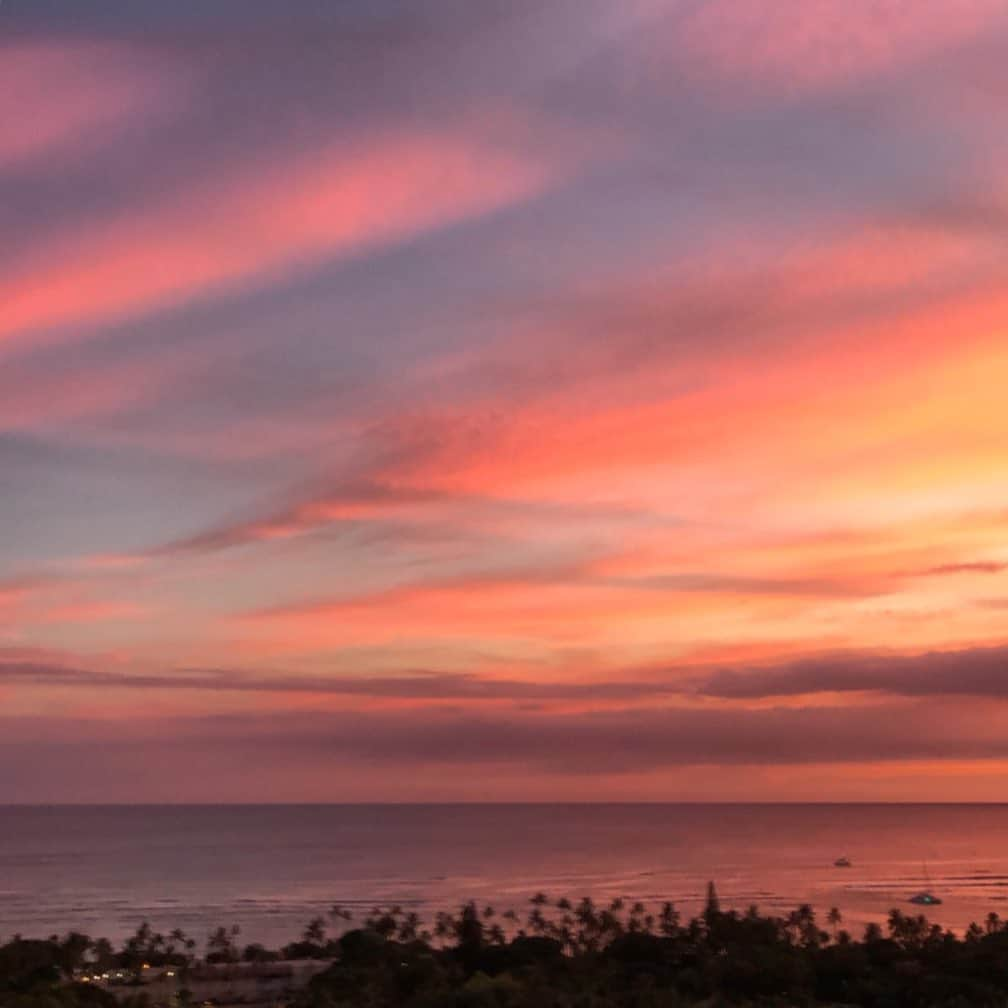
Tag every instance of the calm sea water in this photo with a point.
(271, 868)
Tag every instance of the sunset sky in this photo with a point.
(505, 400)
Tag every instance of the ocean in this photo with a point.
(271, 868)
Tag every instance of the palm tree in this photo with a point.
(588, 924)
(409, 927)
(909, 932)
(176, 940)
(72, 951)
(668, 920)
(220, 946)
(469, 929)
(992, 923)
(384, 924)
(805, 917)
(103, 953)
(609, 924)
(566, 934)
(835, 919)
(315, 931)
(444, 924)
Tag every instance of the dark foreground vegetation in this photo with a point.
(558, 955)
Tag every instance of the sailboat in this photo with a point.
(925, 897)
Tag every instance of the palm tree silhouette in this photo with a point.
(668, 920)
(409, 927)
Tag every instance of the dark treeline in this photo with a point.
(557, 955)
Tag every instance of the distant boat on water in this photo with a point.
(842, 862)
(925, 897)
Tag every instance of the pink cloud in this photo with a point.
(50, 399)
(336, 202)
(810, 44)
(57, 94)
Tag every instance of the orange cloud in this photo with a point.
(92, 612)
(47, 601)
(559, 607)
(843, 414)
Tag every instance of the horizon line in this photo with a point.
(488, 804)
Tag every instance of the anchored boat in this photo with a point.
(926, 897)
